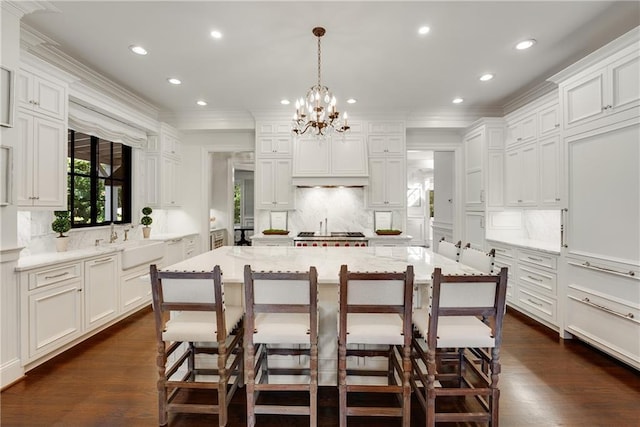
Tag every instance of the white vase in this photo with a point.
(146, 232)
(62, 243)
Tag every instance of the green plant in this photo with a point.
(62, 223)
(146, 220)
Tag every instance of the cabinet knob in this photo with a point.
(557, 125)
(557, 199)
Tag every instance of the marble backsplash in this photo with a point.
(343, 207)
(533, 225)
(36, 236)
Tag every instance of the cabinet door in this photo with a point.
(273, 185)
(348, 156)
(443, 186)
(529, 176)
(55, 317)
(495, 178)
(276, 145)
(548, 120)
(584, 99)
(49, 98)
(395, 175)
(171, 182)
(604, 184)
(283, 190)
(377, 182)
(386, 144)
(624, 83)
(43, 175)
(474, 183)
(513, 160)
(135, 290)
(153, 180)
(101, 291)
(550, 163)
(174, 252)
(474, 229)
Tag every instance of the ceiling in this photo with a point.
(372, 50)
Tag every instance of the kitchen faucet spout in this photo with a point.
(114, 235)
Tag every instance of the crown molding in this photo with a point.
(629, 38)
(210, 119)
(46, 49)
(529, 95)
(21, 8)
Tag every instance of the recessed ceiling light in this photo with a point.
(351, 101)
(138, 50)
(216, 34)
(525, 44)
(201, 103)
(285, 102)
(174, 81)
(423, 30)
(486, 77)
(457, 100)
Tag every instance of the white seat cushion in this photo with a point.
(194, 326)
(376, 328)
(281, 328)
(455, 331)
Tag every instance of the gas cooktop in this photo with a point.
(343, 234)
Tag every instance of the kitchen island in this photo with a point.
(327, 261)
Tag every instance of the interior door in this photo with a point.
(443, 187)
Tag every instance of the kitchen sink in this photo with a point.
(138, 252)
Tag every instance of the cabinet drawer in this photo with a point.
(502, 251)
(537, 258)
(611, 325)
(537, 279)
(54, 275)
(538, 305)
(497, 265)
(605, 278)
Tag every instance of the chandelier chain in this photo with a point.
(319, 60)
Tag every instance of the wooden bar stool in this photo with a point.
(375, 321)
(281, 320)
(479, 260)
(199, 324)
(449, 250)
(454, 320)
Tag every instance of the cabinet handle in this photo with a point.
(534, 302)
(518, 139)
(557, 125)
(563, 243)
(56, 275)
(557, 199)
(610, 270)
(535, 259)
(482, 195)
(535, 278)
(102, 261)
(587, 301)
(519, 200)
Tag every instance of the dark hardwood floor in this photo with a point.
(109, 380)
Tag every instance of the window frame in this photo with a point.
(95, 179)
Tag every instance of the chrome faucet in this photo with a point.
(326, 231)
(126, 232)
(114, 235)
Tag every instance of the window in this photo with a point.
(99, 181)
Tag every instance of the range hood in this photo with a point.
(334, 162)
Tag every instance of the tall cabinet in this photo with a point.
(164, 168)
(387, 165)
(41, 159)
(483, 169)
(274, 166)
(599, 98)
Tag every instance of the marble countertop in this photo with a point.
(530, 244)
(327, 260)
(51, 258)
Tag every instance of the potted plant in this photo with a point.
(146, 220)
(61, 224)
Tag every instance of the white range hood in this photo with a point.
(331, 162)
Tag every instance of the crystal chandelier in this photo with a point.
(317, 110)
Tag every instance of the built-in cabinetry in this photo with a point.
(339, 156)
(483, 170)
(387, 165)
(274, 166)
(533, 155)
(101, 301)
(217, 238)
(599, 96)
(533, 281)
(390, 241)
(41, 157)
(258, 240)
(163, 168)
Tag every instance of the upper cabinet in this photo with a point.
(522, 130)
(603, 94)
(274, 167)
(386, 138)
(40, 95)
(163, 170)
(343, 156)
(41, 155)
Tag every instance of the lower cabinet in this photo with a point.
(100, 290)
(135, 289)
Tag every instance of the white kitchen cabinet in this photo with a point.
(42, 96)
(191, 246)
(548, 119)
(522, 130)
(173, 252)
(606, 93)
(41, 163)
(382, 145)
(474, 226)
(135, 289)
(163, 173)
(277, 145)
(387, 177)
(51, 308)
(550, 175)
(101, 288)
(495, 178)
(274, 189)
(483, 135)
(521, 167)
